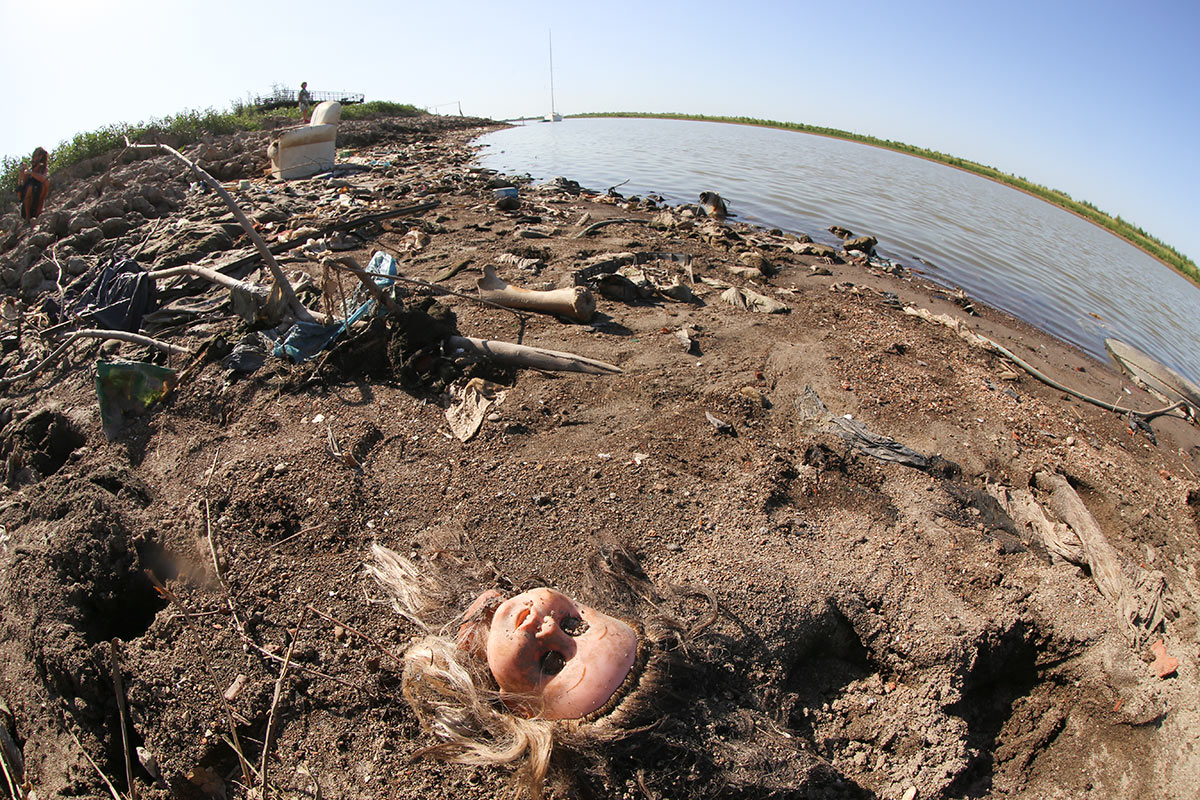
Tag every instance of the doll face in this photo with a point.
(555, 658)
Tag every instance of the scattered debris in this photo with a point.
(1164, 665)
(721, 425)
(753, 301)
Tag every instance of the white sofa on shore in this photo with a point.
(307, 149)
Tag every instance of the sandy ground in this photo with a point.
(884, 630)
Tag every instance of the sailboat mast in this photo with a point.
(550, 37)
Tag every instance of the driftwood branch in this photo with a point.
(12, 762)
(89, 333)
(975, 338)
(595, 226)
(1102, 559)
(289, 294)
(206, 662)
(212, 276)
(279, 683)
(575, 302)
(519, 355)
(1023, 507)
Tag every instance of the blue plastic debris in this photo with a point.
(304, 340)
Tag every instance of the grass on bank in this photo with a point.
(1126, 230)
(182, 129)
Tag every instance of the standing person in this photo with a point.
(34, 183)
(305, 101)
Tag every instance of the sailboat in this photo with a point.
(553, 116)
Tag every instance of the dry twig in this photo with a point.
(119, 688)
(266, 751)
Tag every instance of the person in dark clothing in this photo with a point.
(33, 184)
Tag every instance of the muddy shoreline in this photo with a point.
(883, 628)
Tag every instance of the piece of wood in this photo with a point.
(89, 333)
(575, 302)
(1023, 507)
(1102, 558)
(595, 226)
(206, 662)
(266, 751)
(971, 337)
(451, 271)
(213, 276)
(519, 355)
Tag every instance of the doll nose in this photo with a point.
(547, 628)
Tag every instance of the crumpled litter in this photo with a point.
(753, 301)
(470, 406)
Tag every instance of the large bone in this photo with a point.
(520, 355)
(576, 302)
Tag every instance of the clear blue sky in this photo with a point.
(1099, 99)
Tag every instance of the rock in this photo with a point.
(41, 239)
(152, 194)
(55, 222)
(80, 221)
(814, 249)
(114, 227)
(756, 260)
(1164, 665)
(89, 236)
(31, 282)
(108, 209)
(77, 265)
(143, 206)
(9, 277)
(864, 243)
(840, 232)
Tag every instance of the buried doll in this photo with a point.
(556, 689)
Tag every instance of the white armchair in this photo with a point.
(307, 149)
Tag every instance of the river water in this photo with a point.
(1012, 251)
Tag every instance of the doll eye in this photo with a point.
(574, 626)
(552, 663)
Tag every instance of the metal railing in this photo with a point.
(282, 98)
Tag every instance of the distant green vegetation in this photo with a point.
(1136, 236)
(179, 129)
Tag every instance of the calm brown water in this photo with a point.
(1012, 251)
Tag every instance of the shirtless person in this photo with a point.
(33, 184)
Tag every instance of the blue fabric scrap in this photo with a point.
(304, 340)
